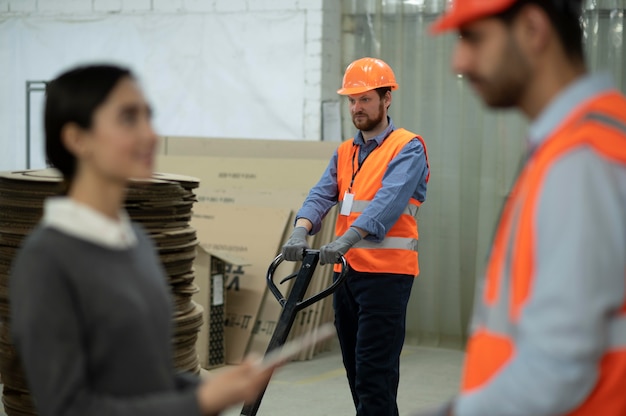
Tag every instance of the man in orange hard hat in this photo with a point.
(548, 336)
(379, 180)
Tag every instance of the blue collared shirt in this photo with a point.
(405, 178)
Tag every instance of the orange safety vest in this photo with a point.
(397, 253)
(599, 124)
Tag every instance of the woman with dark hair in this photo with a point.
(90, 306)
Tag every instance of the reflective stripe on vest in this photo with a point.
(606, 120)
(398, 243)
(394, 243)
(359, 206)
(507, 286)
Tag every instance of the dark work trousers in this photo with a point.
(370, 317)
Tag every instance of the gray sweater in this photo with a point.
(93, 328)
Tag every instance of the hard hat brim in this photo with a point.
(457, 17)
(446, 22)
(361, 90)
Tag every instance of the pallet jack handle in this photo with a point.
(311, 300)
(293, 303)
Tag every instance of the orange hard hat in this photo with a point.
(460, 12)
(367, 74)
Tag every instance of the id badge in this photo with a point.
(346, 205)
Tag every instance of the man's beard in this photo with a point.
(506, 87)
(368, 124)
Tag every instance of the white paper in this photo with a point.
(218, 290)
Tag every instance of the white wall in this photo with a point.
(213, 68)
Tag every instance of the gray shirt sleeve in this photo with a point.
(45, 326)
(578, 284)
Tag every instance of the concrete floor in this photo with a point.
(428, 376)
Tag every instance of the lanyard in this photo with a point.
(359, 165)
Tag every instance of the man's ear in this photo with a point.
(536, 28)
(387, 99)
(73, 137)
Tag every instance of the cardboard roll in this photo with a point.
(168, 204)
(11, 240)
(151, 216)
(155, 191)
(182, 306)
(187, 182)
(5, 270)
(4, 288)
(188, 322)
(39, 177)
(189, 328)
(170, 238)
(8, 252)
(165, 248)
(184, 340)
(33, 204)
(176, 269)
(181, 302)
(29, 185)
(185, 289)
(5, 261)
(182, 254)
(181, 278)
(5, 334)
(21, 215)
(187, 360)
(49, 182)
(13, 381)
(4, 311)
(159, 215)
(159, 226)
(183, 309)
(12, 372)
(184, 348)
(28, 191)
(16, 228)
(17, 403)
(184, 353)
(186, 265)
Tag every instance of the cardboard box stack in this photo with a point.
(163, 206)
(249, 193)
(21, 205)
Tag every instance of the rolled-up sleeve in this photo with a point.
(322, 197)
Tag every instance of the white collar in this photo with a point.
(81, 221)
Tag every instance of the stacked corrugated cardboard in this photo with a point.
(21, 205)
(249, 193)
(163, 206)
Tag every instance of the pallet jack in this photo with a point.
(292, 304)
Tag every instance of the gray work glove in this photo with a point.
(293, 250)
(332, 252)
